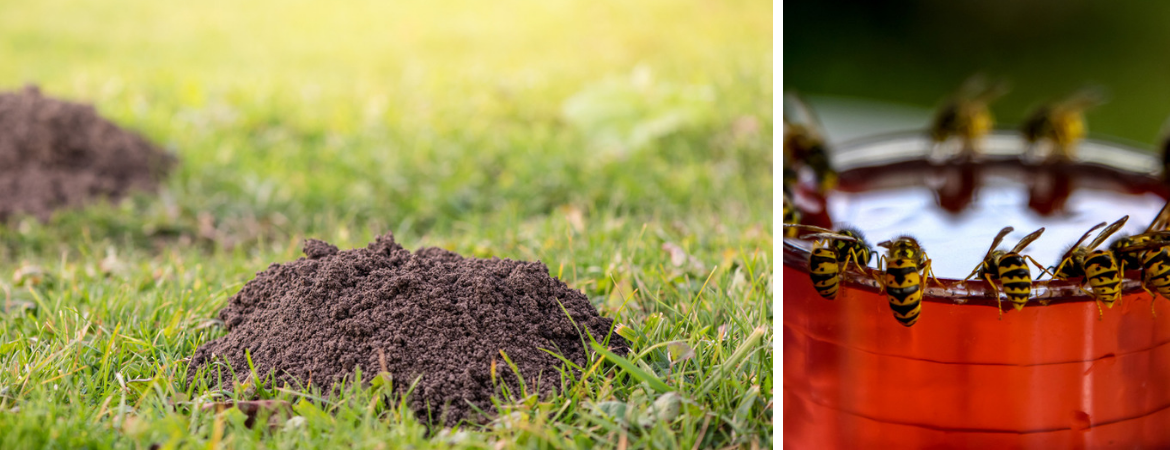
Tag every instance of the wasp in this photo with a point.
(906, 268)
(1130, 250)
(791, 216)
(1011, 268)
(1061, 124)
(966, 115)
(1151, 250)
(1153, 254)
(805, 146)
(1099, 267)
(831, 254)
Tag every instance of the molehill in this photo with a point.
(431, 315)
(56, 154)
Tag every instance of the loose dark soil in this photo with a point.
(431, 314)
(56, 154)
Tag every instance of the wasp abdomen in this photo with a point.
(903, 286)
(1016, 278)
(1157, 270)
(1104, 277)
(824, 272)
(900, 272)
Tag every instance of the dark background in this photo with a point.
(917, 52)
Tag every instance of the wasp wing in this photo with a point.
(1027, 240)
(839, 237)
(998, 239)
(1069, 253)
(810, 228)
(1108, 231)
(1161, 220)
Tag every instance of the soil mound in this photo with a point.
(56, 154)
(432, 315)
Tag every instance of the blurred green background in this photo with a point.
(917, 52)
(297, 117)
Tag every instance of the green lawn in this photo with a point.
(593, 136)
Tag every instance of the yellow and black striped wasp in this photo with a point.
(831, 254)
(1130, 250)
(1060, 124)
(1149, 251)
(904, 271)
(804, 145)
(1011, 268)
(966, 116)
(791, 216)
(1100, 267)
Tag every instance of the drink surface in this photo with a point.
(954, 210)
(957, 241)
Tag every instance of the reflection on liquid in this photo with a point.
(1049, 189)
(955, 185)
(807, 196)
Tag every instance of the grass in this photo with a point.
(627, 146)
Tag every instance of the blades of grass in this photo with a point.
(578, 327)
(562, 358)
(634, 371)
(729, 366)
(744, 411)
(516, 370)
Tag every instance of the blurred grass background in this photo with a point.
(416, 115)
(627, 145)
(917, 52)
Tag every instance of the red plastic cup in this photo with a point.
(1047, 376)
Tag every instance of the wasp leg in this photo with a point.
(1121, 274)
(853, 257)
(982, 265)
(1153, 299)
(1100, 311)
(878, 277)
(863, 270)
(930, 274)
(994, 288)
(1059, 267)
(1051, 275)
(841, 266)
(1153, 296)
